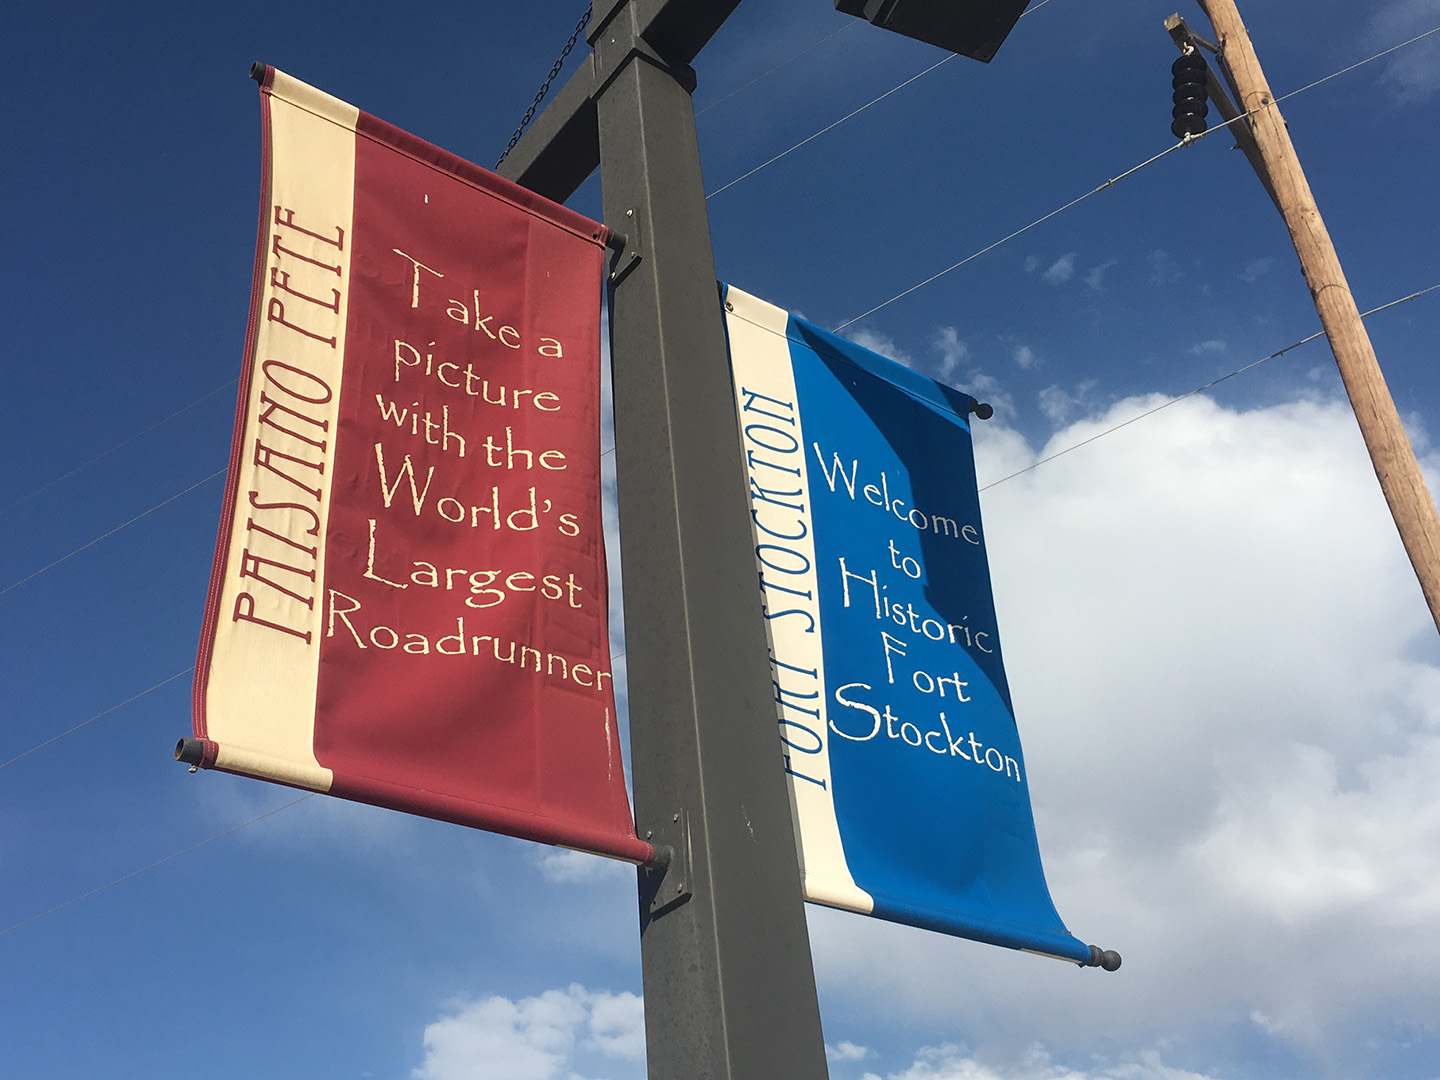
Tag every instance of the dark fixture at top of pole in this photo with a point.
(974, 28)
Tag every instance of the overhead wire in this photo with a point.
(1034, 465)
(1024, 229)
(765, 75)
(1073, 202)
(97, 716)
(112, 532)
(157, 863)
(122, 443)
(808, 48)
(1188, 141)
(1197, 390)
(899, 296)
(829, 127)
(168, 858)
(837, 123)
(1352, 67)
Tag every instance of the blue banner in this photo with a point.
(907, 780)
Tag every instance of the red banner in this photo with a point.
(408, 605)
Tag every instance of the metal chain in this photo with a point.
(530, 112)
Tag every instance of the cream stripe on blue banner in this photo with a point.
(774, 445)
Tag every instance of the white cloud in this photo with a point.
(1023, 355)
(1164, 270)
(617, 1025)
(1061, 270)
(1094, 278)
(952, 350)
(331, 824)
(1413, 73)
(565, 866)
(1032, 263)
(951, 1062)
(1256, 269)
(526, 1040)
(536, 1038)
(987, 388)
(1207, 348)
(1058, 404)
(1229, 689)
(846, 1051)
(1303, 844)
(882, 344)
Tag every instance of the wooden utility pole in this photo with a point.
(1390, 450)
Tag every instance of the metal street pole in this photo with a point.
(728, 973)
(729, 981)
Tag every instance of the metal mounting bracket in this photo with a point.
(1183, 35)
(618, 40)
(626, 248)
(668, 883)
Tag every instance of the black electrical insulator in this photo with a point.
(1188, 80)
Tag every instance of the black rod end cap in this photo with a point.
(1108, 959)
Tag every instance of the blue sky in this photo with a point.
(1226, 679)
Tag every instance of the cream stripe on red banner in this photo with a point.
(260, 698)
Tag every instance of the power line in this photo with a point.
(842, 120)
(1197, 390)
(124, 442)
(1024, 229)
(168, 858)
(619, 655)
(1185, 142)
(97, 716)
(132, 700)
(830, 127)
(112, 532)
(1362, 63)
(1189, 140)
(759, 78)
(933, 277)
(850, 25)
(152, 866)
